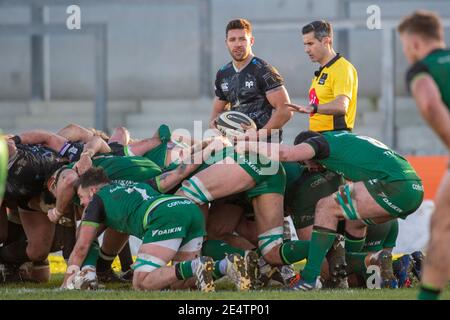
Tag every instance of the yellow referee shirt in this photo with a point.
(337, 77)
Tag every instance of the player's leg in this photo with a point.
(173, 227)
(215, 182)
(75, 132)
(113, 242)
(224, 218)
(436, 269)
(39, 231)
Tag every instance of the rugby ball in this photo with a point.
(229, 123)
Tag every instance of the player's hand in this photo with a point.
(299, 108)
(213, 124)
(250, 134)
(84, 164)
(69, 276)
(54, 215)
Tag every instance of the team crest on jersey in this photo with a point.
(323, 78)
(249, 84)
(224, 86)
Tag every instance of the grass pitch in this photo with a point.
(225, 291)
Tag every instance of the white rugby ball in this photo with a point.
(229, 123)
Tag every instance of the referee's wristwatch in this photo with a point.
(314, 106)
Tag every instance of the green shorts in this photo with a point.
(381, 236)
(302, 196)
(173, 219)
(399, 198)
(256, 167)
(3, 165)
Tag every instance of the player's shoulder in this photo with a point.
(414, 70)
(225, 68)
(261, 64)
(343, 64)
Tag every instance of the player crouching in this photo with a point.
(171, 228)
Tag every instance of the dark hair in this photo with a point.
(92, 177)
(304, 135)
(424, 23)
(321, 29)
(241, 24)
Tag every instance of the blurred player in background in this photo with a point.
(428, 80)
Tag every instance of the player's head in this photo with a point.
(420, 33)
(239, 39)
(318, 39)
(305, 135)
(302, 137)
(88, 184)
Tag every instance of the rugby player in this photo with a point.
(428, 80)
(250, 85)
(382, 186)
(171, 227)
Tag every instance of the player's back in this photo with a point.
(361, 158)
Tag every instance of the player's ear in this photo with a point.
(326, 41)
(252, 40)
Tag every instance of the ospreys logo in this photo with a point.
(224, 86)
(323, 78)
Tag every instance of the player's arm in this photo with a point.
(189, 163)
(91, 226)
(218, 107)
(276, 151)
(431, 106)
(278, 99)
(46, 138)
(336, 107)
(94, 146)
(314, 148)
(64, 193)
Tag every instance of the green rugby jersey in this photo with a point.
(437, 65)
(124, 206)
(360, 158)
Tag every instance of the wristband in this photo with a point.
(315, 106)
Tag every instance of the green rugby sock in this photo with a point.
(353, 244)
(428, 292)
(356, 262)
(92, 256)
(183, 270)
(217, 249)
(216, 272)
(321, 242)
(294, 251)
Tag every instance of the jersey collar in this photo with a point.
(329, 63)
(244, 66)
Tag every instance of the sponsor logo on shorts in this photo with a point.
(391, 205)
(252, 165)
(372, 243)
(179, 202)
(158, 232)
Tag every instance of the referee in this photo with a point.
(248, 84)
(334, 88)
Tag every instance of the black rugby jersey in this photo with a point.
(246, 90)
(29, 170)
